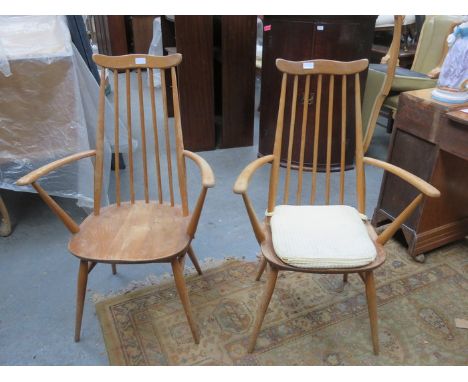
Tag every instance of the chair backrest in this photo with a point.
(140, 63)
(378, 86)
(320, 73)
(432, 45)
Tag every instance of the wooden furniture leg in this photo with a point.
(114, 269)
(345, 278)
(194, 260)
(5, 223)
(261, 267)
(372, 307)
(80, 296)
(184, 297)
(270, 286)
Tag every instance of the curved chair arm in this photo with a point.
(243, 180)
(424, 187)
(208, 178)
(415, 181)
(240, 187)
(33, 176)
(208, 181)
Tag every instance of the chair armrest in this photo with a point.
(208, 178)
(415, 181)
(243, 180)
(41, 171)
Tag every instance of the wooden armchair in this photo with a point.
(378, 84)
(327, 238)
(135, 231)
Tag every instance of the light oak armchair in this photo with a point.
(306, 228)
(136, 231)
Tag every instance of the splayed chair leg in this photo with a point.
(261, 267)
(268, 292)
(184, 298)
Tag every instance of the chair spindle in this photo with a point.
(155, 135)
(129, 133)
(116, 137)
(143, 134)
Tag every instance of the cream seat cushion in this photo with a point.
(321, 237)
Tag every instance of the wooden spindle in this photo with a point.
(116, 137)
(316, 138)
(100, 145)
(129, 133)
(179, 144)
(143, 134)
(329, 137)
(343, 137)
(305, 109)
(291, 140)
(360, 181)
(155, 135)
(277, 147)
(167, 136)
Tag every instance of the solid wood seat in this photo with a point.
(138, 233)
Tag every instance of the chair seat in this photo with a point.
(321, 237)
(132, 233)
(406, 79)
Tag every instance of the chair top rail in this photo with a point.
(135, 61)
(321, 67)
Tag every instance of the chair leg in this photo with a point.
(182, 262)
(261, 267)
(194, 260)
(80, 297)
(372, 307)
(184, 297)
(267, 293)
(114, 269)
(345, 277)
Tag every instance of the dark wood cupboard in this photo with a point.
(118, 35)
(216, 78)
(343, 38)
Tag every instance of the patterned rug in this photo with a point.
(311, 320)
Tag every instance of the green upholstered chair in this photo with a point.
(378, 84)
(430, 54)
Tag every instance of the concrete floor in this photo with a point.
(38, 275)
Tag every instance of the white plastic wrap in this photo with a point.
(156, 48)
(48, 108)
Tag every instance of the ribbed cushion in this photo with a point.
(321, 237)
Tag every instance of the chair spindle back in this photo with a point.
(140, 63)
(333, 72)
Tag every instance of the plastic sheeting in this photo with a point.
(48, 108)
(156, 48)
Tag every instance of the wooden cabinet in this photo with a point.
(343, 38)
(118, 35)
(111, 35)
(216, 78)
(431, 145)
